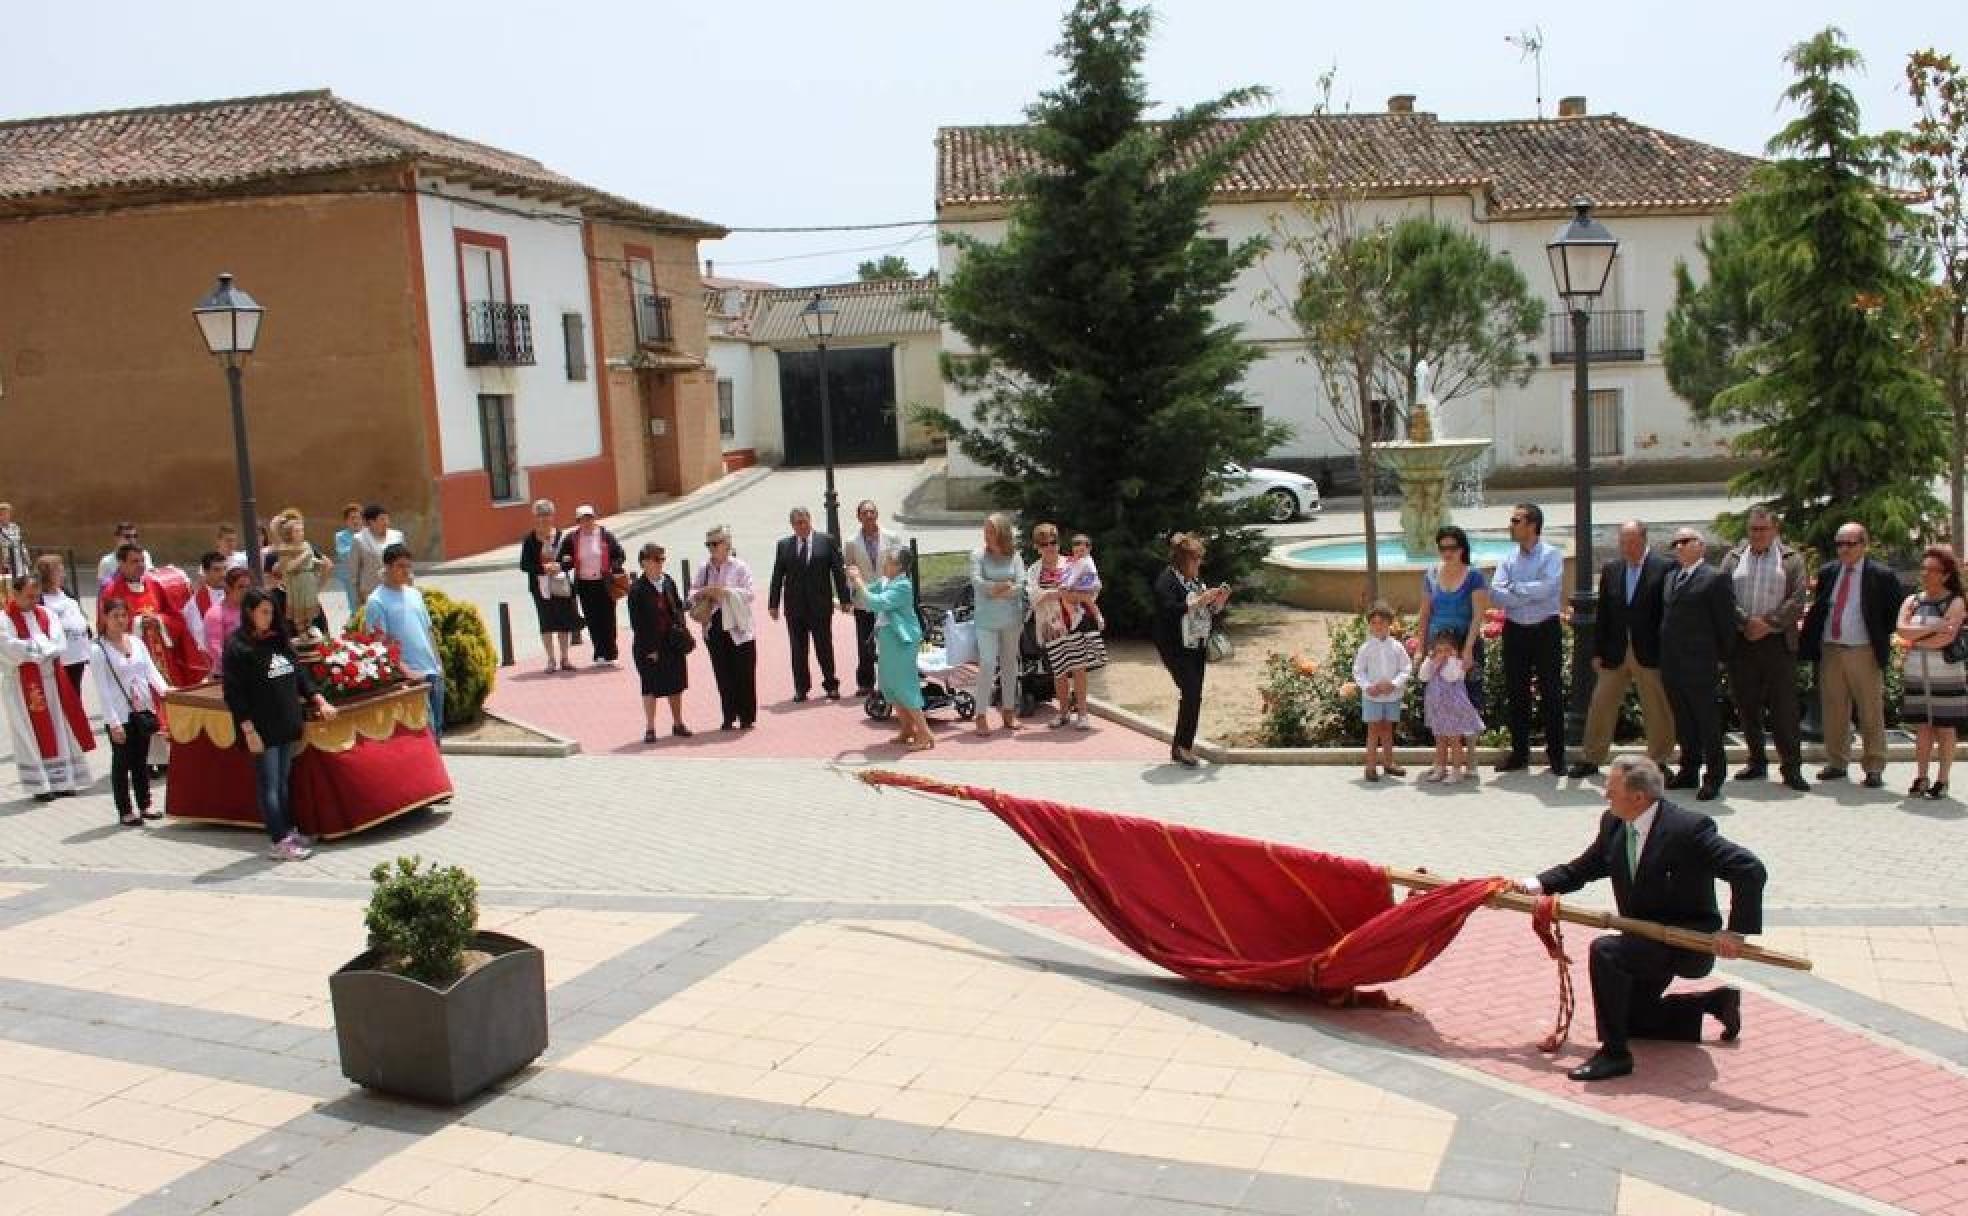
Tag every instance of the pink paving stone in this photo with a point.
(1797, 1092)
(601, 708)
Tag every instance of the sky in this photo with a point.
(779, 114)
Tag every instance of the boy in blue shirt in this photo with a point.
(396, 608)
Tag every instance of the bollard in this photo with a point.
(683, 588)
(505, 635)
(915, 577)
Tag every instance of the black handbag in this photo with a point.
(680, 641)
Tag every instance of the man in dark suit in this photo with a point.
(807, 571)
(1626, 651)
(1664, 863)
(1697, 630)
(1849, 634)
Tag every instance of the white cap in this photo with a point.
(583, 509)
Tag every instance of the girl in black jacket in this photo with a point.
(265, 688)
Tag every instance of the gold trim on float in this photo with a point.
(373, 717)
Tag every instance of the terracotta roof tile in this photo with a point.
(1525, 167)
(208, 146)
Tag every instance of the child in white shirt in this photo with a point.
(1382, 670)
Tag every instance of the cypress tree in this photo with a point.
(1844, 421)
(1108, 394)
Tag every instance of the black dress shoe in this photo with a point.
(1686, 780)
(1753, 771)
(1831, 772)
(1795, 780)
(1874, 781)
(799, 698)
(1709, 791)
(649, 735)
(729, 726)
(1512, 764)
(1183, 758)
(1582, 770)
(1603, 1066)
(681, 732)
(833, 694)
(1937, 791)
(48, 797)
(1727, 1006)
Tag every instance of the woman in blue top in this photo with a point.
(898, 638)
(1454, 596)
(344, 549)
(997, 582)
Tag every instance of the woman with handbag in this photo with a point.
(1935, 667)
(595, 558)
(659, 642)
(1185, 616)
(721, 601)
(266, 688)
(129, 687)
(550, 585)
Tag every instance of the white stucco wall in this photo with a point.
(1530, 425)
(556, 419)
(732, 359)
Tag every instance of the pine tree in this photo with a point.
(1109, 394)
(1844, 422)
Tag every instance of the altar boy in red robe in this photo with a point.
(152, 616)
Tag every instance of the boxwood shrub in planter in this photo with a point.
(436, 1009)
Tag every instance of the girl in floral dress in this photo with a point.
(1445, 705)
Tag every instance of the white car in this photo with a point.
(1286, 496)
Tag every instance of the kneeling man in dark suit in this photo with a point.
(1664, 863)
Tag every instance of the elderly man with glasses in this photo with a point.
(1849, 634)
(1768, 578)
(1698, 630)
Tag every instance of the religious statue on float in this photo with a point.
(301, 569)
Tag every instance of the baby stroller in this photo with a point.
(946, 664)
(1035, 683)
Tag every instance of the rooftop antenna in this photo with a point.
(1530, 44)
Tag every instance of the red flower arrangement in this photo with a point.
(356, 662)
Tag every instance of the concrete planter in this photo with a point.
(401, 1036)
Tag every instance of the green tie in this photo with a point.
(1632, 850)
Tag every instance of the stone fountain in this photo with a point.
(1426, 467)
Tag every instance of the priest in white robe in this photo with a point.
(49, 728)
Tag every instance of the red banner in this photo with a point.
(1230, 911)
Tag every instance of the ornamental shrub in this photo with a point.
(420, 921)
(464, 645)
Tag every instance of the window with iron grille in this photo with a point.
(727, 411)
(1606, 419)
(574, 336)
(499, 442)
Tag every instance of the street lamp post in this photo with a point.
(1581, 256)
(819, 319)
(230, 323)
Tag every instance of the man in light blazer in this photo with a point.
(1768, 580)
(1697, 633)
(1849, 634)
(863, 550)
(1664, 863)
(807, 572)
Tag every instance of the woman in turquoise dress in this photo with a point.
(898, 638)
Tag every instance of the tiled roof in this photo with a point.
(883, 308)
(211, 146)
(1526, 168)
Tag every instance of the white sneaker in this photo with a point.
(1061, 720)
(1080, 721)
(290, 849)
(1434, 775)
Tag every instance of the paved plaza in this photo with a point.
(773, 989)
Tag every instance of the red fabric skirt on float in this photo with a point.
(375, 761)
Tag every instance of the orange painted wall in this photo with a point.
(473, 524)
(112, 409)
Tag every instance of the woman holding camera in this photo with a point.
(128, 686)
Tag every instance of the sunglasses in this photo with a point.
(1047, 544)
(1847, 544)
(1451, 547)
(1520, 519)
(1678, 541)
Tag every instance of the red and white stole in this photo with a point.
(35, 693)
